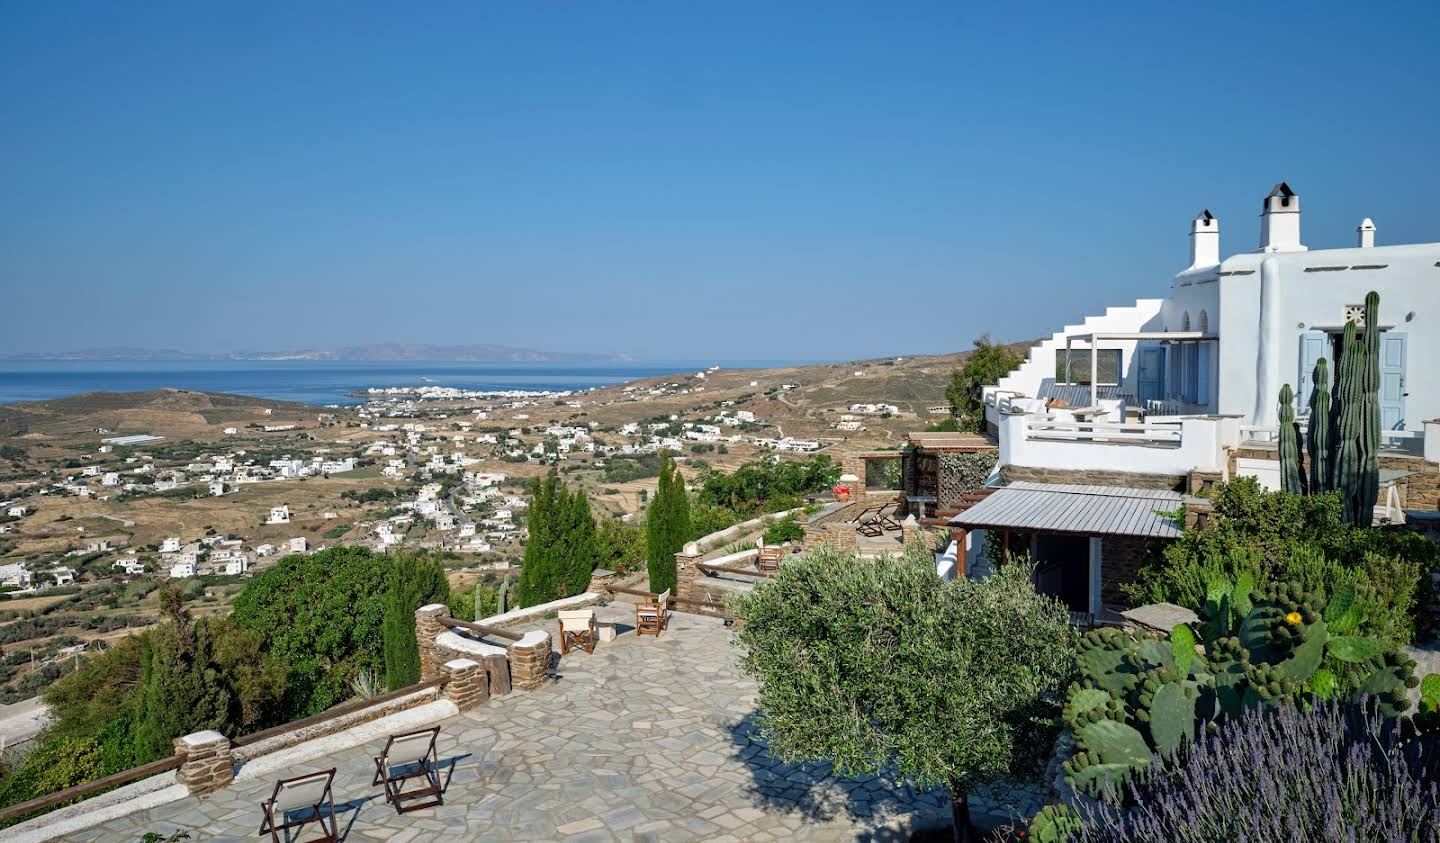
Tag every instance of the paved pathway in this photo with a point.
(646, 740)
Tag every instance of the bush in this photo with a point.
(1282, 537)
(1331, 772)
(767, 485)
(788, 530)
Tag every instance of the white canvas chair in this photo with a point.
(577, 629)
(309, 794)
(408, 756)
(651, 615)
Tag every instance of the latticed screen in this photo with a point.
(961, 474)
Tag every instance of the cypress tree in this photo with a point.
(667, 526)
(411, 582)
(537, 546)
(582, 554)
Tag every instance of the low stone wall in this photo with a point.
(536, 612)
(1093, 477)
(334, 725)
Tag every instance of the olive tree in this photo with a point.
(881, 667)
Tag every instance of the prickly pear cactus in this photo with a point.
(1139, 696)
(1054, 824)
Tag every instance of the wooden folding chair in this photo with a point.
(886, 520)
(651, 615)
(409, 756)
(309, 793)
(577, 629)
(768, 561)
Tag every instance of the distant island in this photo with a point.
(475, 353)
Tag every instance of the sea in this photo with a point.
(320, 382)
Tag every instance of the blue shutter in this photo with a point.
(1313, 346)
(1202, 378)
(1392, 381)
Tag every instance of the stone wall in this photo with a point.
(1131, 479)
(1120, 558)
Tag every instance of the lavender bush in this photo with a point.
(1336, 772)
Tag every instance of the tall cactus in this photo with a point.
(503, 601)
(1368, 486)
(1345, 470)
(1318, 442)
(1289, 443)
(479, 605)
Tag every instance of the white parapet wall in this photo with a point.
(1174, 447)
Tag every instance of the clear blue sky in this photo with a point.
(675, 180)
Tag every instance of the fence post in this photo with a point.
(427, 628)
(209, 763)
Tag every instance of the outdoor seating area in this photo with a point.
(578, 629)
(651, 615)
(637, 741)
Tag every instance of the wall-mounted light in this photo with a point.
(1410, 317)
(1300, 325)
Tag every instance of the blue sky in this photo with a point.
(675, 180)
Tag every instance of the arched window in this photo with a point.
(1204, 322)
(1185, 322)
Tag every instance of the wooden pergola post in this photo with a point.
(957, 535)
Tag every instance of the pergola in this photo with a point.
(1094, 339)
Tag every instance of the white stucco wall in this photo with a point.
(1409, 284)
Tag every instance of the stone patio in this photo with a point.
(647, 740)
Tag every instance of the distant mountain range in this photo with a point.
(389, 351)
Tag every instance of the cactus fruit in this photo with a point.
(1289, 443)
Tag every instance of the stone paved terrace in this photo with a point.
(646, 740)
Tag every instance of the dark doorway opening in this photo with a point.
(1062, 568)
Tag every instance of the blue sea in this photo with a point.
(315, 382)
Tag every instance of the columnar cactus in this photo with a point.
(1368, 486)
(1318, 442)
(1289, 443)
(1140, 696)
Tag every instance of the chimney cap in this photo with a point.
(1366, 225)
(1280, 189)
(1205, 215)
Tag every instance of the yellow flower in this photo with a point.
(1294, 618)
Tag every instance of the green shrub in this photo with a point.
(788, 530)
(1280, 537)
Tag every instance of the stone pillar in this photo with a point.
(530, 661)
(856, 466)
(686, 570)
(600, 581)
(208, 765)
(427, 628)
(911, 535)
(466, 683)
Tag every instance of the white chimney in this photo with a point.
(1280, 221)
(1204, 240)
(1367, 234)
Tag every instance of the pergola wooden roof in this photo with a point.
(955, 442)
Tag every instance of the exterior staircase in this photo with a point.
(1039, 365)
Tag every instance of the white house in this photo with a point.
(297, 545)
(279, 514)
(17, 575)
(110, 478)
(17, 511)
(1159, 396)
(183, 568)
(170, 545)
(217, 488)
(63, 576)
(129, 567)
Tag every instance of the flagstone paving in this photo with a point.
(646, 740)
